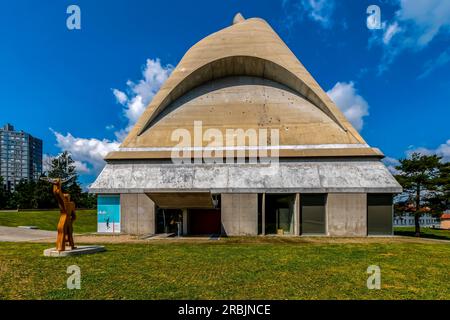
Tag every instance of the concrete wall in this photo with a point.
(137, 214)
(239, 214)
(347, 214)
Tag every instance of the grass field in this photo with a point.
(232, 269)
(424, 233)
(48, 220)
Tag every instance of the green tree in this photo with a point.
(23, 196)
(44, 195)
(3, 195)
(63, 166)
(419, 175)
(88, 201)
(439, 199)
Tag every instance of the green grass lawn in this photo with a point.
(48, 220)
(424, 233)
(231, 269)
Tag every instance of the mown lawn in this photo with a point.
(48, 220)
(424, 233)
(230, 269)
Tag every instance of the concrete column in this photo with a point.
(137, 214)
(263, 215)
(297, 215)
(239, 214)
(347, 214)
(185, 222)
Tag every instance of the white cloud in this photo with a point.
(320, 10)
(46, 162)
(415, 25)
(391, 163)
(316, 10)
(354, 107)
(121, 97)
(79, 165)
(390, 32)
(89, 153)
(86, 151)
(442, 150)
(140, 93)
(428, 18)
(82, 168)
(154, 76)
(134, 110)
(434, 64)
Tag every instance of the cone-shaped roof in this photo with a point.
(244, 76)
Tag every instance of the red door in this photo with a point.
(203, 221)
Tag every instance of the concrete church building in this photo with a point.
(309, 173)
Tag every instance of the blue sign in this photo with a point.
(108, 213)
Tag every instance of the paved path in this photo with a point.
(10, 234)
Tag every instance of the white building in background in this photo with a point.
(407, 220)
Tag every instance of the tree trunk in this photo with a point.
(417, 213)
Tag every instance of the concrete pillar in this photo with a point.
(239, 214)
(137, 214)
(263, 215)
(185, 221)
(347, 214)
(297, 215)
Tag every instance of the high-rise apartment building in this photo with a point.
(20, 156)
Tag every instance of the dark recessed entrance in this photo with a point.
(204, 221)
(279, 213)
(168, 220)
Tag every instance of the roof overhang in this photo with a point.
(326, 151)
(307, 176)
(188, 200)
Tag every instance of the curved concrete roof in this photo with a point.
(241, 102)
(247, 48)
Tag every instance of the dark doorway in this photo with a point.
(168, 220)
(379, 214)
(204, 221)
(313, 213)
(280, 213)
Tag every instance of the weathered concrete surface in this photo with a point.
(249, 48)
(320, 176)
(137, 214)
(239, 214)
(52, 252)
(247, 103)
(347, 214)
(11, 234)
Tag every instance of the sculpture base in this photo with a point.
(73, 252)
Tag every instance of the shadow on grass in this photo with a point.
(428, 233)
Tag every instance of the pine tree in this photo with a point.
(419, 175)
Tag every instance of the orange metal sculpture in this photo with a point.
(67, 215)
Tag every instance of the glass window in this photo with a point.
(379, 214)
(312, 214)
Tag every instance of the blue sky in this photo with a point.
(58, 84)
